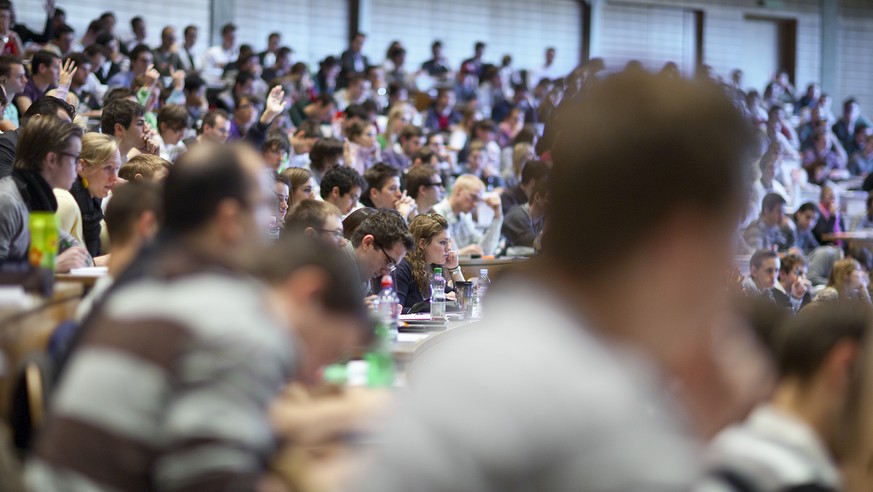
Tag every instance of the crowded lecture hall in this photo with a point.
(384, 246)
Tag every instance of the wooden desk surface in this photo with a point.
(470, 267)
(86, 281)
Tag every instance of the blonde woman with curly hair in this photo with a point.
(432, 248)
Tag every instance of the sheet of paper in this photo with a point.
(411, 337)
(415, 317)
(90, 271)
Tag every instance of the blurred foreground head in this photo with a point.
(316, 290)
(217, 200)
(647, 189)
(824, 373)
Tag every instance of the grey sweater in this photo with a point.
(14, 232)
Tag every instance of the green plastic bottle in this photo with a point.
(380, 360)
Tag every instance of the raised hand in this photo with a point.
(275, 105)
(178, 77)
(67, 71)
(152, 76)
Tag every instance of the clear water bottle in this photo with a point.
(388, 307)
(438, 295)
(479, 292)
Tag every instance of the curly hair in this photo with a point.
(423, 227)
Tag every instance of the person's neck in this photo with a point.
(536, 213)
(121, 257)
(188, 46)
(804, 404)
(227, 46)
(124, 148)
(423, 206)
(527, 189)
(209, 245)
(41, 84)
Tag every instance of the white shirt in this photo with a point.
(463, 229)
(531, 399)
(214, 61)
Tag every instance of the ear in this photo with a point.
(306, 286)
(839, 364)
(119, 129)
(422, 243)
(138, 177)
(227, 221)
(309, 231)
(368, 240)
(335, 192)
(146, 225)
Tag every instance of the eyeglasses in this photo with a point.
(337, 234)
(76, 157)
(437, 185)
(392, 265)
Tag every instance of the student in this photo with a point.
(132, 223)
(524, 224)
(767, 231)
(425, 186)
(145, 167)
(432, 247)
(318, 219)
(570, 355)
(191, 318)
(302, 186)
(377, 246)
(47, 157)
(341, 187)
(457, 207)
(125, 120)
(809, 429)
(80, 211)
(763, 269)
(383, 191)
(172, 123)
(792, 289)
(848, 281)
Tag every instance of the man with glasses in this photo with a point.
(425, 186)
(466, 195)
(49, 156)
(317, 219)
(377, 246)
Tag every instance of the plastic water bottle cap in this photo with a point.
(438, 271)
(386, 281)
(483, 271)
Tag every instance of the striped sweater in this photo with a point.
(169, 389)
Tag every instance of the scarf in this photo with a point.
(92, 214)
(35, 190)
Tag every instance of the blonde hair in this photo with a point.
(97, 148)
(468, 182)
(423, 227)
(840, 275)
(146, 165)
(521, 153)
(297, 177)
(397, 111)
